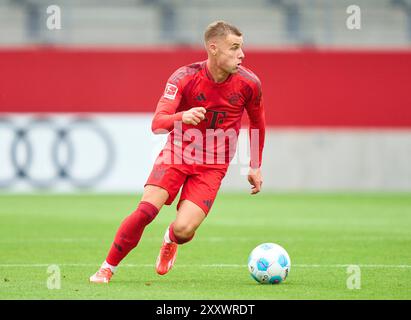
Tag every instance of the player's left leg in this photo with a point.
(189, 218)
(130, 231)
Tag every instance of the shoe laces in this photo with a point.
(105, 272)
(167, 249)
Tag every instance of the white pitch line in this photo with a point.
(43, 265)
(158, 240)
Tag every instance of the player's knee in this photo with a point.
(155, 195)
(183, 232)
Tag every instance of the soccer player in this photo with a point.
(202, 102)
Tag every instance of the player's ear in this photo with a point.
(212, 48)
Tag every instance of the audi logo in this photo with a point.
(43, 152)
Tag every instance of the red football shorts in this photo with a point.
(200, 182)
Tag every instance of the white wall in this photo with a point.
(330, 159)
(122, 147)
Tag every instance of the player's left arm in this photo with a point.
(256, 115)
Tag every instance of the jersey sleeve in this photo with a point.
(256, 115)
(165, 114)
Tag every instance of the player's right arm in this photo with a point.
(165, 115)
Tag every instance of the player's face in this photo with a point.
(229, 53)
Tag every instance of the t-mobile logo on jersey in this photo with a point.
(214, 118)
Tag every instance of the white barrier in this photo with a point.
(115, 153)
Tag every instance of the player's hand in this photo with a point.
(194, 116)
(255, 179)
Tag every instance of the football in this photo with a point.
(269, 263)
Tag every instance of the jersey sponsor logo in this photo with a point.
(215, 118)
(171, 91)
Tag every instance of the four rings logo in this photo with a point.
(44, 152)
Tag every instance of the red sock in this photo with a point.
(174, 238)
(130, 231)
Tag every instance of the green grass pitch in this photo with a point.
(323, 233)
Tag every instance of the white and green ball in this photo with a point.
(269, 263)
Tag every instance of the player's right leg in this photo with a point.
(130, 231)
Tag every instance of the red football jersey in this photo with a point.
(211, 141)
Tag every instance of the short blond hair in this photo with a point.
(220, 28)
